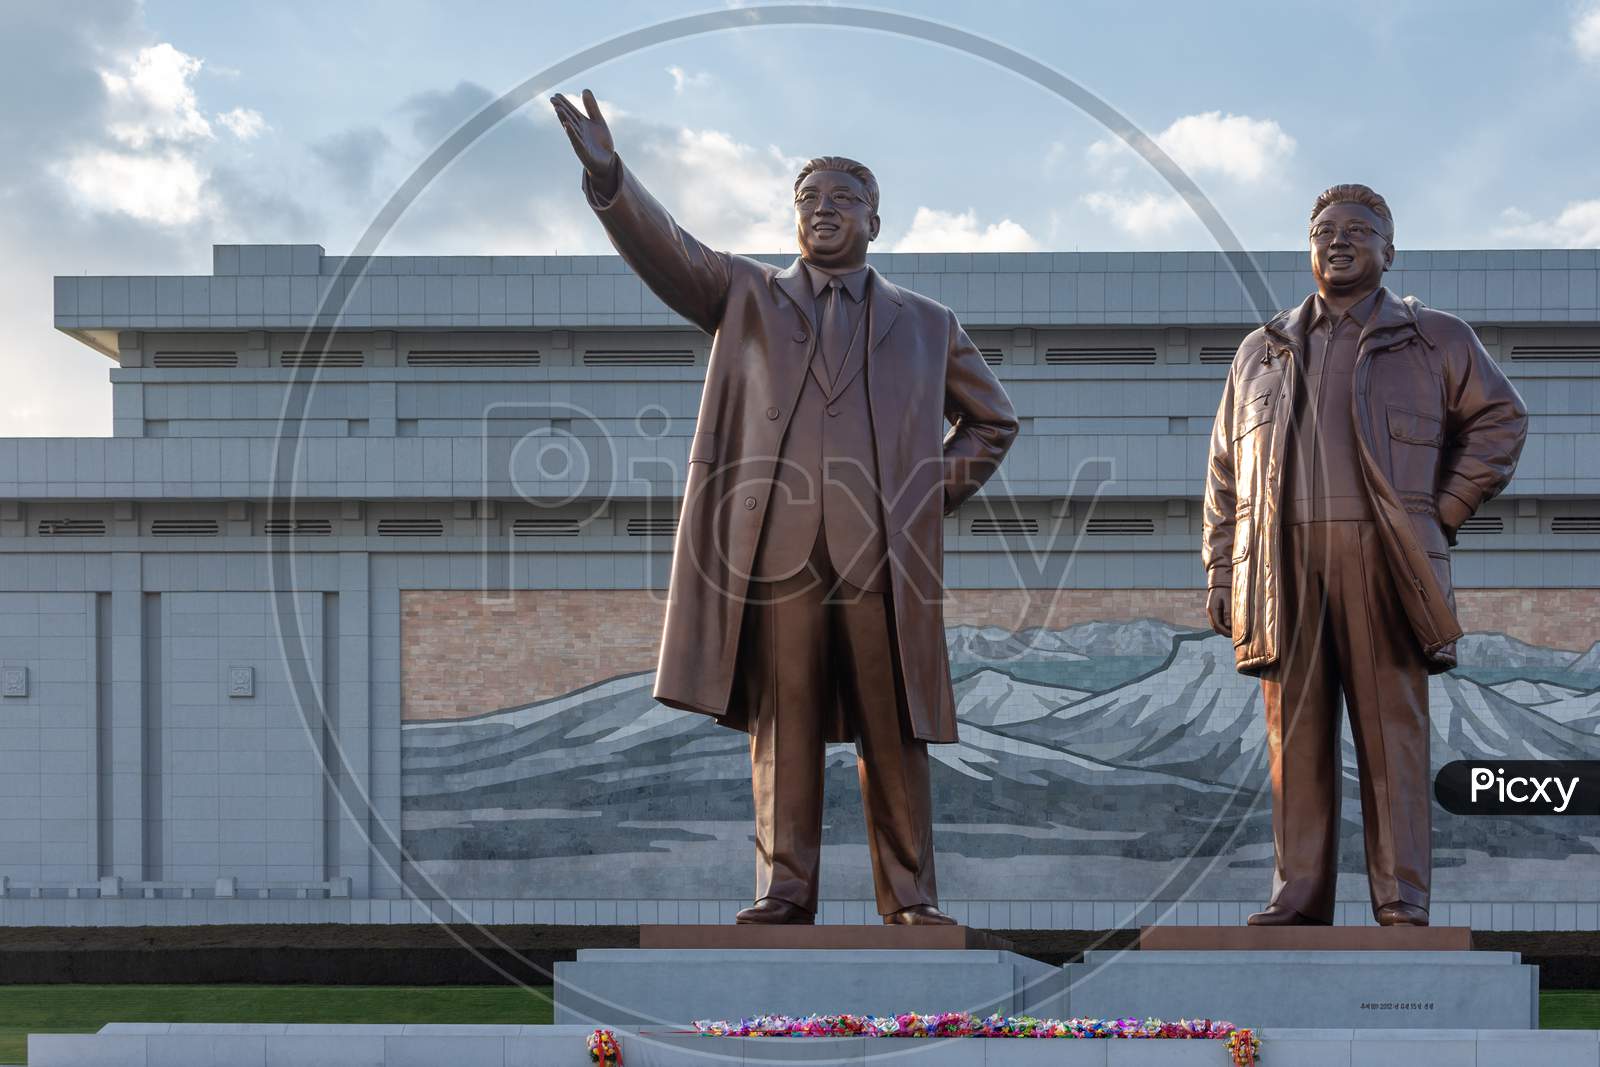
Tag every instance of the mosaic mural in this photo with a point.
(1105, 760)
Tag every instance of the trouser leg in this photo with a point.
(1385, 681)
(783, 663)
(896, 793)
(1300, 695)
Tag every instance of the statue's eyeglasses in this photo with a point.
(810, 198)
(1324, 232)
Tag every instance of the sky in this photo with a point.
(136, 135)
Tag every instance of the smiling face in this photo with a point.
(834, 220)
(1350, 249)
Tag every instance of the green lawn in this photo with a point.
(1569, 1009)
(36, 1009)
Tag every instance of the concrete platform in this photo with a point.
(673, 987)
(820, 937)
(1267, 988)
(196, 1045)
(1295, 938)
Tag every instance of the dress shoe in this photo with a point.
(918, 915)
(1283, 915)
(1400, 913)
(770, 911)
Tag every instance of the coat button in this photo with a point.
(800, 337)
(833, 411)
(749, 503)
(772, 413)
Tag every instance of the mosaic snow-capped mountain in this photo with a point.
(1108, 760)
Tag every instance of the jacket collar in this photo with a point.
(1389, 313)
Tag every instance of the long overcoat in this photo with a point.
(941, 424)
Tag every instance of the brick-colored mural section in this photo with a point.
(1553, 618)
(1021, 609)
(463, 656)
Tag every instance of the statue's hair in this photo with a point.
(843, 165)
(1351, 193)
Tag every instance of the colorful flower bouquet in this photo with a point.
(1243, 1044)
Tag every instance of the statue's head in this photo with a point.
(835, 211)
(1352, 239)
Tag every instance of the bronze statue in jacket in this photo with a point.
(842, 418)
(1356, 433)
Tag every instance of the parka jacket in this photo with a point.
(1434, 416)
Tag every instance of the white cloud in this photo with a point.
(152, 98)
(684, 79)
(1145, 215)
(1577, 226)
(729, 194)
(932, 230)
(165, 188)
(1233, 146)
(243, 122)
(1586, 33)
(153, 159)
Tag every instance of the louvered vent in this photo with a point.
(450, 358)
(184, 528)
(993, 356)
(195, 359)
(1575, 524)
(1100, 357)
(299, 527)
(649, 357)
(1217, 354)
(1004, 526)
(72, 528)
(1556, 352)
(1483, 524)
(1120, 527)
(318, 358)
(410, 527)
(652, 527)
(545, 528)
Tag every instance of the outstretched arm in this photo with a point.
(689, 277)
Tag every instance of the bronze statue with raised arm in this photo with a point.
(1356, 433)
(842, 418)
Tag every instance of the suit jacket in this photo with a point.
(827, 479)
(941, 424)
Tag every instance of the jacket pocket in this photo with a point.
(1242, 595)
(704, 447)
(1414, 427)
(1242, 526)
(1442, 576)
(1252, 413)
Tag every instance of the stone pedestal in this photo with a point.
(672, 987)
(1293, 938)
(820, 937)
(1311, 988)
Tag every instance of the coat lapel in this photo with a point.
(795, 283)
(797, 287)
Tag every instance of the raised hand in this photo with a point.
(590, 136)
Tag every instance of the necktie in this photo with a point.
(835, 329)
